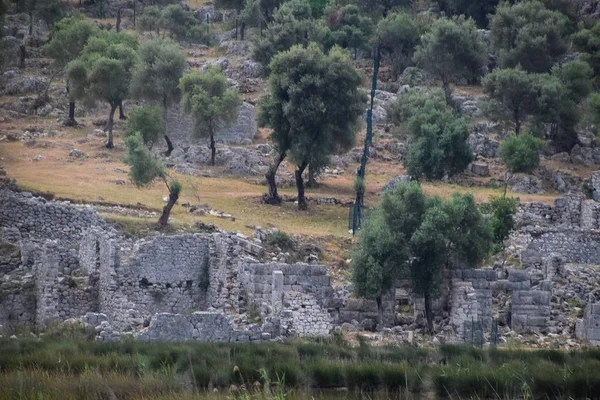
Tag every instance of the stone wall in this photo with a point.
(201, 326)
(588, 328)
(38, 219)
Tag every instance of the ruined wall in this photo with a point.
(36, 218)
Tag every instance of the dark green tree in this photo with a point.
(314, 109)
(478, 10)
(528, 34)
(437, 144)
(156, 77)
(521, 153)
(453, 234)
(211, 103)
(588, 42)
(145, 168)
(514, 93)
(103, 72)
(501, 210)
(348, 28)
(183, 26)
(148, 122)
(398, 36)
(149, 20)
(452, 50)
(381, 8)
(415, 236)
(287, 30)
(69, 37)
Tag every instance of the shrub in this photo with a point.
(281, 240)
(521, 153)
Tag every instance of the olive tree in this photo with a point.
(398, 36)
(529, 35)
(103, 72)
(452, 49)
(69, 37)
(348, 28)
(437, 144)
(156, 77)
(210, 102)
(148, 122)
(314, 109)
(411, 235)
(145, 168)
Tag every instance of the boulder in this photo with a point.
(76, 153)
(251, 69)
(209, 11)
(528, 184)
(395, 181)
(582, 155)
(480, 169)
(482, 145)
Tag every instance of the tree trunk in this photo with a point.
(300, 186)
(31, 21)
(119, 20)
(380, 313)
(517, 122)
(447, 91)
(312, 180)
(109, 144)
(22, 56)
(242, 30)
(134, 11)
(122, 115)
(169, 146)
(71, 119)
(428, 313)
(273, 197)
(213, 150)
(164, 218)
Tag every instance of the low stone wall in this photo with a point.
(201, 326)
(580, 246)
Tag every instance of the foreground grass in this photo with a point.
(78, 369)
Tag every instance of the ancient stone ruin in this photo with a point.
(62, 262)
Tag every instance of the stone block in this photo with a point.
(529, 258)
(515, 275)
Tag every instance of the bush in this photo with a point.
(521, 153)
(281, 240)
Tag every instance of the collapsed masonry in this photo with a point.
(59, 262)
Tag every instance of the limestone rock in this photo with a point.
(395, 181)
(76, 153)
(528, 184)
(480, 169)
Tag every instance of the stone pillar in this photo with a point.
(46, 273)
(277, 292)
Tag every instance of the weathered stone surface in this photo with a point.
(480, 169)
(395, 181)
(528, 184)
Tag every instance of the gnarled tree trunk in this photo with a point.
(111, 116)
(122, 115)
(169, 143)
(428, 313)
(300, 186)
(71, 119)
(164, 217)
(273, 197)
(213, 150)
(380, 313)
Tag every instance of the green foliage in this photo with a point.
(281, 240)
(521, 153)
(156, 77)
(207, 97)
(145, 167)
(528, 34)
(148, 122)
(381, 8)
(478, 10)
(576, 76)
(411, 234)
(592, 112)
(149, 20)
(182, 25)
(437, 143)
(348, 28)
(452, 49)
(290, 26)
(502, 211)
(398, 36)
(69, 37)
(588, 42)
(514, 93)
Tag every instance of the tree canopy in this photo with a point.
(452, 49)
(437, 144)
(103, 72)
(148, 122)
(411, 235)
(528, 34)
(348, 28)
(213, 106)
(156, 77)
(314, 106)
(398, 36)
